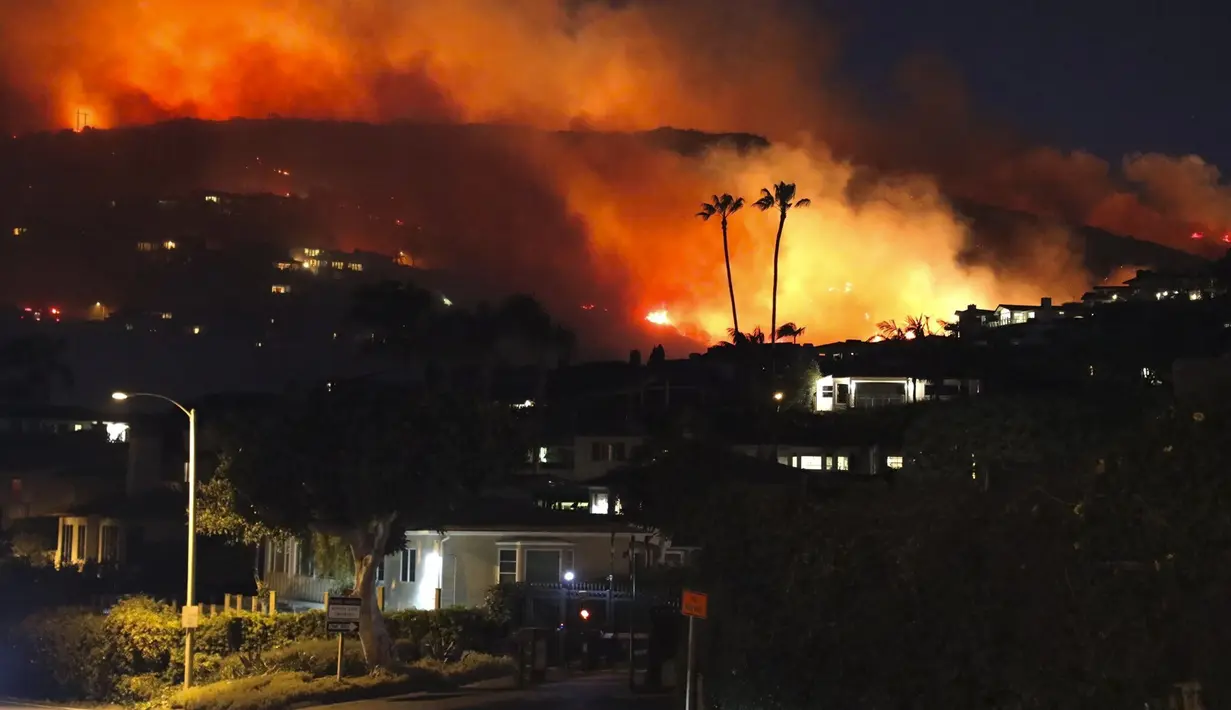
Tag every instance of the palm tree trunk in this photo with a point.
(726, 253)
(773, 318)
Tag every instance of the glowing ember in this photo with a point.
(659, 317)
(1198, 235)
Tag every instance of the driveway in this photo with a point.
(605, 691)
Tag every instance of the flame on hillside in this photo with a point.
(626, 215)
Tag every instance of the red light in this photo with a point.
(585, 614)
(1198, 235)
(55, 311)
(29, 310)
(1227, 238)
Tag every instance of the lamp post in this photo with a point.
(190, 595)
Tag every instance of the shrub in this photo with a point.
(66, 653)
(144, 634)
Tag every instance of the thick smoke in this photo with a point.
(618, 221)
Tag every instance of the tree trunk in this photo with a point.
(773, 317)
(368, 547)
(726, 253)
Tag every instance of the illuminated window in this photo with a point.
(279, 288)
(406, 568)
(507, 566)
(599, 503)
(165, 316)
(18, 231)
(339, 265)
(211, 198)
(168, 244)
(812, 463)
(893, 461)
(355, 267)
(145, 246)
(285, 265)
(196, 330)
(311, 252)
(844, 463)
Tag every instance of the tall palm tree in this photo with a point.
(724, 206)
(782, 199)
(792, 331)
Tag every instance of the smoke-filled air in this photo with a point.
(880, 239)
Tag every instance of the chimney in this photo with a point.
(634, 358)
(1046, 302)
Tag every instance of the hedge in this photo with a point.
(76, 653)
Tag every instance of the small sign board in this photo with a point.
(694, 604)
(343, 609)
(190, 616)
(342, 627)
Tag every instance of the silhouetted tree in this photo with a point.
(783, 200)
(792, 331)
(725, 205)
(359, 463)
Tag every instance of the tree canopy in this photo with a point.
(357, 462)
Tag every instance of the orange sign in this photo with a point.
(694, 604)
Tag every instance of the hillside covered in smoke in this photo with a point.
(581, 203)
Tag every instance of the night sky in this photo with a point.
(1109, 77)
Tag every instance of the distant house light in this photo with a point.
(145, 246)
(196, 330)
(285, 265)
(311, 252)
(165, 315)
(18, 231)
(354, 266)
(168, 244)
(339, 265)
(280, 288)
(211, 198)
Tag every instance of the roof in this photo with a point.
(511, 515)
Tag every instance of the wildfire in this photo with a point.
(530, 62)
(659, 317)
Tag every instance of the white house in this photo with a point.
(460, 565)
(835, 394)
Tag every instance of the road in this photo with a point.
(607, 691)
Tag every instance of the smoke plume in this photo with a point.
(571, 215)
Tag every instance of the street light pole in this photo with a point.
(191, 593)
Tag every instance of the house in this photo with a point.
(492, 542)
(838, 393)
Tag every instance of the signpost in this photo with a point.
(342, 617)
(694, 605)
(190, 617)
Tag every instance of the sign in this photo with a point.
(343, 609)
(342, 627)
(190, 617)
(694, 604)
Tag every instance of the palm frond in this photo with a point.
(803, 203)
(707, 211)
(766, 201)
(736, 205)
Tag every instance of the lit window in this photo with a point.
(311, 252)
(211, 198)
(168, 244)
(145, 246)
(117, 432)
(165, 316)
(355, 267)
(507, 567)
(406, 570)
(18, 231)
(196, 330)
(844, 463)
(285, 265)
(339, 265)
(1194, 295)
(893, 461)
(78, 427)
(599, 504)
(812, 463)
(280, 288)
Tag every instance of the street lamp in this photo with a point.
(190, 595)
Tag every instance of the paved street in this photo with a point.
(596, 692)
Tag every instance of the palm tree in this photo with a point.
(792, 331)
(782, 199)
(724, 206)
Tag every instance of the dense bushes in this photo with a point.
(137, 644)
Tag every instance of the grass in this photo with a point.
(284, 688)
